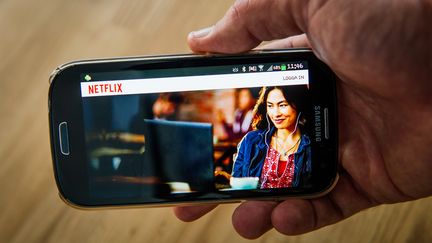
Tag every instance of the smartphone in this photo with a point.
(192, 129)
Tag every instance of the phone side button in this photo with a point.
(326, 123)
(64, 138)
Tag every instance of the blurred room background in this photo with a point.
(36, 37)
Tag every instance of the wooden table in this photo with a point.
(37, 36)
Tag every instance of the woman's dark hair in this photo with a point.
(296, 96)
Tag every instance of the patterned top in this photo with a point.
(277, 173)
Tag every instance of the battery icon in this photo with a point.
(283, 67)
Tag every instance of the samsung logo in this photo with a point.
(318, 123)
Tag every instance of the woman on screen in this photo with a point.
(277, 151)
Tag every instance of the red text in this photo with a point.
(105, 88)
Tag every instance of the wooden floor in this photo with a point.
(37, 36)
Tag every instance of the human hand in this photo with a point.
(380, 51)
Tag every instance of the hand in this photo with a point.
(381, 53)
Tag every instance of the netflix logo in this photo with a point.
(104, 88)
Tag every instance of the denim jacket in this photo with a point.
(252, 150)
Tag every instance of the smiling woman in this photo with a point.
(278, 151)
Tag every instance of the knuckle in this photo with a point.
(239, 8)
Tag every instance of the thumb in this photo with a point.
(249, 22)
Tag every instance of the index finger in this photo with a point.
(191, 213)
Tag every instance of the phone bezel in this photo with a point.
(65, 105)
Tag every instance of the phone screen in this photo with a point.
(193, 133)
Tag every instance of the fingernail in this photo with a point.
(201, 33)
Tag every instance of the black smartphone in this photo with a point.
(166, 130)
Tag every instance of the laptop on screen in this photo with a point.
(181, 152)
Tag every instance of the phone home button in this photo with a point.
(64, 138)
